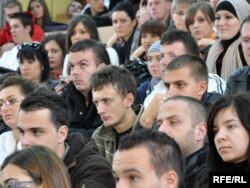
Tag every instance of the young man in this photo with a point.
(160, 10)
(21, 31)
(85, 58)
(6, 40)
(240, 81)
(174, 44)
(43, 120)
(114, 91)
(148, 159)
(184, 119)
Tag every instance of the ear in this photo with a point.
(101, 66)
(170, 179)
(62, 133)
(202, 88)
(134, 22)
(169, 4)
(200, 131)
(129, 100)
(28, 29)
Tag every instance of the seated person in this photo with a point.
(151, 158)
(6, 40)
(114, 97)
(74, 8)
(239, 82)
(34, 64)
(21, 31)
(42, 16)
(99, 13)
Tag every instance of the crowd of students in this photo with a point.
(85, 107)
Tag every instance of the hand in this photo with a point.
(150, 114)
(62, 84)
(7, 46)
(138, 52)
(112, 41)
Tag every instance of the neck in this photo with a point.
(164, 20)
(61, 149)
(16, 134)
(128, 121)
(25, 39)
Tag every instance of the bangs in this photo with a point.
(25, 54)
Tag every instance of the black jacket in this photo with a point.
(194, 165)
(83, 118)
(85, 165)
(238, 82)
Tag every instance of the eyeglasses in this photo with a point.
(32, 45)
(19, 184)
(9, 102)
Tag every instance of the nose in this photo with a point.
(121, 184)
(25, 140)
(164, 127)
(220, 135)
(100, 108)
(172, 91)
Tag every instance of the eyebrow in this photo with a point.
(9, 179)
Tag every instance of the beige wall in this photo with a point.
(55, 6)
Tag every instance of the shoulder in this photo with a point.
(240, 74)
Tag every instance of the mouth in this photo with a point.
(224, 148)
(105, 118)
(7, 117)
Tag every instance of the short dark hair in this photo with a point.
(25, 19)
(89, 24)
(196, 65)
(240, 103)
(26, 86)
(125, 7)
(246, 20)
(165, 152)
(118, 77)
(197, 109)
(12, 4)
(101, 54)
(31, 51)
(190, 44)
(43, 98)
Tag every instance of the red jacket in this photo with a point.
(5, 35)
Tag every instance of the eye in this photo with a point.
(12, 101)
(30, 61)
(53, 50)
(36, 132)
(181, 85)
(21, 131)
(174, 122)
(231, 126)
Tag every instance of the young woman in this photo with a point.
(229, 134)
(151, 31)
(34, 64)
(199, 22)
(124, 22)
(225, 56)
(41, 12)
(55, 47)
(29, 168)
(81, 27)
(13, 90)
